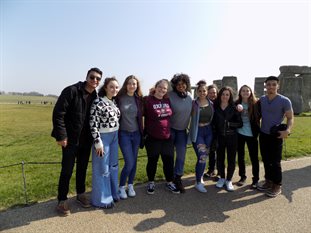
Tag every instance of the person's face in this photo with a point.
(161, 89)
(112, 89)
(202, 92)
(131, 86)
(181, 86)
(225, 96)
(272, 87)
(212, 94)
(245, 93)
(93, 80)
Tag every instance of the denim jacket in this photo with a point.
(195, 116)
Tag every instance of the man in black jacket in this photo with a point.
(72, 132)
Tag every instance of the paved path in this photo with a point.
(218, 211)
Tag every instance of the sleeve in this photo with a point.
(95, 112)
(62, 106)
(236, 121)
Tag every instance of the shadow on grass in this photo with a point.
(190, 209)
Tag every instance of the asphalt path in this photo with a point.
(243, 210)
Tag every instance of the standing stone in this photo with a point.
(259, 88)
(292, 88)
(218, 83)
(306, 91)
(295, 69)
(232, 82)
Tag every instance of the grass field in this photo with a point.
(25, 136)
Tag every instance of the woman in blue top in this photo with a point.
(129, 100)
(181, 104)
(248, 134)
(201, 131)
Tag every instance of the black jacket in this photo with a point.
(225, 122)
(70, 112)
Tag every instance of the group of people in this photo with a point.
(164, 122)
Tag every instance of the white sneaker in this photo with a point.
(131, 191)
(220, 183)
(229, 186)
(200, 187)
(122, 192)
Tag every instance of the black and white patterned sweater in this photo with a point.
(104, 118)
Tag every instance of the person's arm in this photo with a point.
(95, 125)
(290, 122)
(58, 117)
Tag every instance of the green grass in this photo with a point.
(25, 136)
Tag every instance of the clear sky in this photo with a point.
(49, 44)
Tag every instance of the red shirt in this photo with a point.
(157, 117)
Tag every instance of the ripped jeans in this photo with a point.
(105, 171)
(202, 148)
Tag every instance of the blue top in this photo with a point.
(246, 130)
(273, 111)
(181, 111)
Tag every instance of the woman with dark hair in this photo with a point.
(104, 123)
(201, 133)
(248, 134)
(157, 112)
(225, 122)
(129, 100)
(181, 103)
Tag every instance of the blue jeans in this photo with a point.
(201, 148)
(179, 138)
(105, 171)
(129, 144)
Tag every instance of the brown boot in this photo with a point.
(179, 185)
(83, 200)
(266, 186)
(63, 208)
(274, 191)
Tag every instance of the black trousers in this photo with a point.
(212, 155)
(271, 152)
(71, 153)
(252, 145)
(155, 148)
(226, 143)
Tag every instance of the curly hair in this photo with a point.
(181, 78)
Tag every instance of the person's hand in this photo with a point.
(284, 134)
(100, 152)
(63, 143)
(239, 108)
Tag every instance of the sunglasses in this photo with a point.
(94, 77)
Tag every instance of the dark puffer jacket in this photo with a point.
(225, 122)
(70, 113)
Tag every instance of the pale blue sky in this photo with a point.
(47, 45)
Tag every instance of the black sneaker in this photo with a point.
(242, 181)
(179, 185)
(254, 185)
(209, 174)
(150, 188)
(171, 187)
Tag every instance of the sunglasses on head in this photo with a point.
(94, 77)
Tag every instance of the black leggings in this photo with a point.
(155, 148)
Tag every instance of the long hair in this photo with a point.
(251, 100)
(226, 88)
(102, 92)
(181, 78)
(123, 89)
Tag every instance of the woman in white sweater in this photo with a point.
(104, 123)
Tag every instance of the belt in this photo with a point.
(203, 124)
